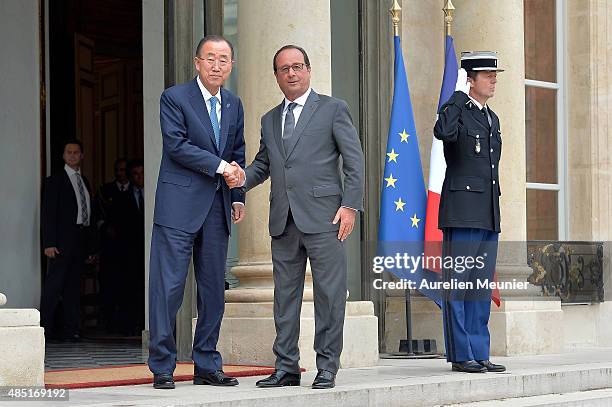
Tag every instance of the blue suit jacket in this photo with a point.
(187, 175)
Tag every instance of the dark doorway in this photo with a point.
(95, 61)
(95, 95)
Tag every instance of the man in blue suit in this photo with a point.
(203, 149)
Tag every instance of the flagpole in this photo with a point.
(405, 346)
(401, 123)
(449, 10)
(396, 14)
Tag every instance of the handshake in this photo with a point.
(234, 175)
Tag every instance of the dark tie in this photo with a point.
(289, 124)
(140, 200)
(82, 200)
(214, 120)
(485, 111)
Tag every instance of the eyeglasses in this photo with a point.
(223, 62)
(296, 68)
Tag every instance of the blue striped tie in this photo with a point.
(214, 120)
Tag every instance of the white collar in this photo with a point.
(207, 95)
(300, 101)
(478, 105)
(70, 171)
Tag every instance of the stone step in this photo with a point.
(387, 386)
(592, 398)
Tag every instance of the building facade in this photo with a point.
(553, 101)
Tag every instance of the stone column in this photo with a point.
(260, 35)
(247, 332)
(481, 25)
(520, 325)
(589, 111)
(153, 86)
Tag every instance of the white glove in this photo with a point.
(462, 83)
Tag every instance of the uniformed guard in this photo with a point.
(469, 211)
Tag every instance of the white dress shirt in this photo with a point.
(72, 175)
(297, 110)
(479, 106)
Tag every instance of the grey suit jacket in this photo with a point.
(308, 178)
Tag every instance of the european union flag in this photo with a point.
(403, 198)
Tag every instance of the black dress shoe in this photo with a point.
(280, 378)
(163, 381)
(324, 380)
(469, 366)
(492, 367)
(217, 378)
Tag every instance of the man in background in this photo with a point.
(66, 219)
(113, 250)
(134, 237)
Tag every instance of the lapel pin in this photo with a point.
(228, 105)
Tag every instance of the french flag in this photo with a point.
(437, 166)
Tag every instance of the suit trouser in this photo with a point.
(171, 252)
(465, 313)
(327, 257)
(63, 281)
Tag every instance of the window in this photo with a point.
(544, 120)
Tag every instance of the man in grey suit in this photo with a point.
(311, 212)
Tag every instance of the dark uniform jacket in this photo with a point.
(472, 149)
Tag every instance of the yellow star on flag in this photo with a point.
(390, 181)
(415, 221)
(399, 205)
(392, 155)
(404, 136)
